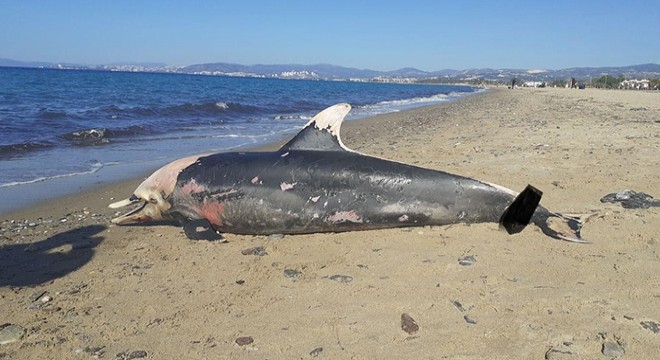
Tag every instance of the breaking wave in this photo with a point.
(16, 150)
(208, 109)
(96, 166)
(102, 136)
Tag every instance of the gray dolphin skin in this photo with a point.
(315, 184)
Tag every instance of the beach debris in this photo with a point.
(558, 354)
(469, 320)
(341, 278)
(240, 282)
(612, 349)
(468, 260)
(630, 199)
(257, 251)
(408, 324)
(244, 340)
(292, 273)
(316, 352)
(39, 300)
(652, 326)
(11, 334)
(137, 354)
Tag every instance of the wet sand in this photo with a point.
(82, 288)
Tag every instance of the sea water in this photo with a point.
(63, 130)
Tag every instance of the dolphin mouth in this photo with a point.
(131, 215)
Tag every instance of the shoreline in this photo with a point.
(66, 186)
(23, 196)
(147, 288)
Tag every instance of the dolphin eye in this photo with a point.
(153, 200)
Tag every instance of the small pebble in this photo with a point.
(137, 354)
(292, 273)
(469, 320)
(244, 340)
(612, 349)
(95, 351)
(316, 352)
(458, 305)
(468, 260)
(651, 325)
(258, 251)
(240, 282)
(408, 324)
(10, 334)
(341, 278)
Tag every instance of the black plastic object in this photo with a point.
(520, 212)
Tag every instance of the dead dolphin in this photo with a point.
(316, 184)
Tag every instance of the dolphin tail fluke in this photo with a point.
(524, 209)
(562, 226)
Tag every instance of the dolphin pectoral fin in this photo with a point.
(200, 229)
(520, 212)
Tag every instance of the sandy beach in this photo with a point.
(77, 287)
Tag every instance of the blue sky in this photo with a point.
(379, 35)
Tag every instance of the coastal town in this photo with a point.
(635, 77)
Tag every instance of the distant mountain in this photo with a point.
(326, 71)
(335, 72)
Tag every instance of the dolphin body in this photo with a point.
(316, 184)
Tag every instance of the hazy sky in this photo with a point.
(379, 35)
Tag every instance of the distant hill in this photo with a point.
(336, 72)
(319, 71)
(326, 71)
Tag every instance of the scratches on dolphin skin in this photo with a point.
(285, 154)
(192, 187)
(344, 216)
(404, 218)
(255, 180)
(226, 195)
(315, 199)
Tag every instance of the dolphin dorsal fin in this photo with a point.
(322, 132)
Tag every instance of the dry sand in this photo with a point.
(127, 292)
